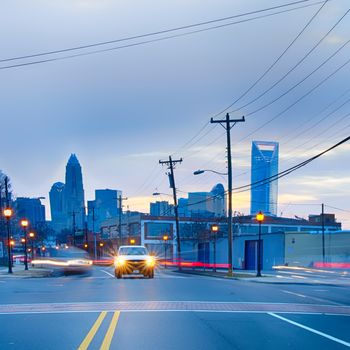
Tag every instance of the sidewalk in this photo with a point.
(19, 272)
(268, 278)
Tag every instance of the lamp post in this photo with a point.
(32, 236)
(214, 230)
(260, 218)
(101, 249)
(24, 224)
(8, 214)
(165, 240)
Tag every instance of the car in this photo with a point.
(68, 260)
(134, 259)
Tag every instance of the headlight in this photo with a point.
(150, 262)
(119, 261)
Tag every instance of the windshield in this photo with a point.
(133, 251)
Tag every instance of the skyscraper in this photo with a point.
(58, 214)
(264, 165)
(105, 206)
(30, 209)
(74, 204)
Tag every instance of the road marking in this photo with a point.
(298, 295)
(110, 332)
(311, 330)
(108, 273)
(313, 298)
(86, 342)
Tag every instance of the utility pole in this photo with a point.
(120, 201)
(323, 243)
(226, 124)
(170, 163)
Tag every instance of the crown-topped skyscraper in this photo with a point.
(74, 203)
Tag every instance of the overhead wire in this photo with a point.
(145, 35)
(274, 63)
(295, 66)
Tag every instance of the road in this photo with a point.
(172, 311)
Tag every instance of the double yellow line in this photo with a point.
(108, 336)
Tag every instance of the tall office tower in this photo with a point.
(74, 203)
(264, 165)
(105, 206)
(219, 200)
(58, 214)
(161, 208)
(30, 209)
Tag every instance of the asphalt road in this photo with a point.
(172, 311)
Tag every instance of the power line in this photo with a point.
(275, 62)
(300, 81)
(102, 43)
(294, 67)
(277, 176)
(137, 43)
(298, 100)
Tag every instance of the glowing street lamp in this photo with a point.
(259, 218)
(25, 224)
(8, 213)
(132, 241)
(32, 236)
(165, 240)
(214, 229)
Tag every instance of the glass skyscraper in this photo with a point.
(264, 165)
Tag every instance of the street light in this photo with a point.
(132, 241)
(8, 213)
(24, 224)
(260, 218)
(165, 240)
(32, 236)
(199, 171)
(214, 229)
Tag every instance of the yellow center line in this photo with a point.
(86, 342)
(110, 332)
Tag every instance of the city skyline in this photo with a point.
(133, 107)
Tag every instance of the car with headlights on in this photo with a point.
(66, 261)
(134, 259)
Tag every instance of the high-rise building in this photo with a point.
(74, 204)
(104, 207)
(218, 200)
(207, 204)
(183, 207)
(264, 165)
(30, 209)
(58, 214)
(161, 208)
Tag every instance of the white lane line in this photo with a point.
(313, 298)
(337, 340)
(298, 295)
(108, 273)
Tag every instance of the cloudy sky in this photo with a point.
(122, 110)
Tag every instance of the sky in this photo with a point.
(121, 111)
